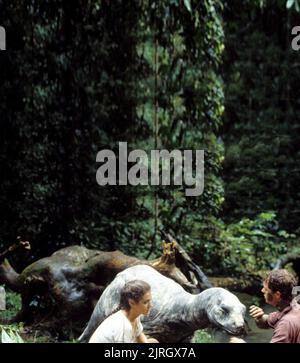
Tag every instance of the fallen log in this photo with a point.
(248, 284)
(292, 257)
(11, 249)
(189, 268)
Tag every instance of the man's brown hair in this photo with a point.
(282, 281)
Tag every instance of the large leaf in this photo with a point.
(5, 338)
(10, 337)
(187, 4)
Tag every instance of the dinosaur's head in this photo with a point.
(225, 311)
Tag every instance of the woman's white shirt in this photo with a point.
(117, 329)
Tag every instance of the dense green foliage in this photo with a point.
(10, 332)
(202, 336)
(82, 76)
(247, 246)
(87, 77)
(261, 128)
(13, 305)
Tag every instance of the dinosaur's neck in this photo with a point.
(182, 320)
(194, 311)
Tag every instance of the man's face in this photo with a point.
(271, 298)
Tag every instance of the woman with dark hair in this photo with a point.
(124, 326)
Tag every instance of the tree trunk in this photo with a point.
(291, 257)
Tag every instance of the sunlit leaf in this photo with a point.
(290, 3)
(187, 4)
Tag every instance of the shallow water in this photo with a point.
(254, 334)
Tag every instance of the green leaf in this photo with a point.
(290, 3)
(5, 338)
(18, 339)
(187, 4)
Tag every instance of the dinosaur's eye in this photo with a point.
(225, 309)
